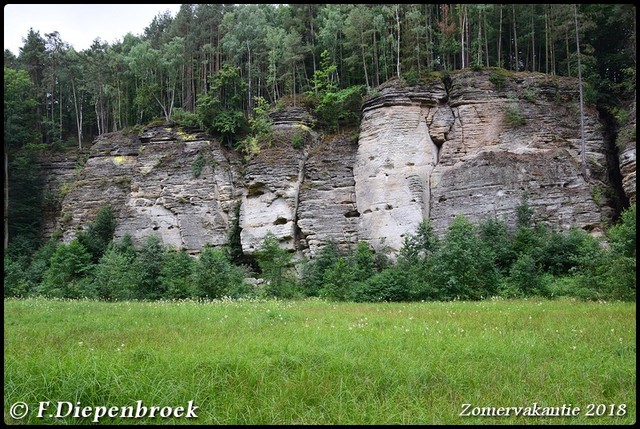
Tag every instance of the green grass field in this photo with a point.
(316, 362)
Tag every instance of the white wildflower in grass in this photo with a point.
(261, 370)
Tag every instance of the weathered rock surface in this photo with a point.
(327, 210)
(151, 183)
(394, 162)
(58, 171)
(471, 145)
(628, 170)
(627, 156)
(270, 200)
(523, 137)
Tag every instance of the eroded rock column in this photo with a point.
(394, 161)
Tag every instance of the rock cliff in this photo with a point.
(150, 181)
(471, 143)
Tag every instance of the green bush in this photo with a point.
(339, 280)
(419, 245)
(221, 109)
(498, 77)
(67, 274)
(341, 107)
(562, 253)
(527, 277)
(623, 235)
(176, 275)
(411, 77)
(147, 267)
(564, 286)
(495, 235)
(184, 118)
(214, 275)
(514, 117)
(15, 282)
(463, 268)
(197, 165)
(99, 233)
(390, 285)
(114, 279)
(297, 141)
(275, 265)
(313, 271)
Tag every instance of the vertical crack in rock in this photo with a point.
(183, 242)
(299, 239)
(439, 125)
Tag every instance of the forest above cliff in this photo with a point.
(221, 67)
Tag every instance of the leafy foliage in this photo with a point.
(148, 266)
(260, 125)
(469, 263)
(113, 277)
(463, 268)
(68, 273)
(275, 264)
(176, 274)
(220, 110)
(99, 233)
(197, 165)
(214, 274)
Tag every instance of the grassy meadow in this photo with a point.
(318, 362)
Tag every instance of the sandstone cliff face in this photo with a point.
(627, 157)
(59, 171)
(327, 209)
(523, 137)
(270, 201)
(149, 180)
(475, 149)
(469, 144)
(303, 195)
(395, 159)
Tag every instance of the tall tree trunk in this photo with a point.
(6, 197)
(533, 39)
(583, 145)
(566, 39)
(375, 59)
(467, 33)
(313, 37)
(462, 34)
(293, 84)
(249, 106)
(78, 116)
(479, 54)
(60, 112)
(364, 60)
(500, 39)
(515, 39)
(546, 40)
(486, 38)
(398, 29)
(427, 15)
(95, 107)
